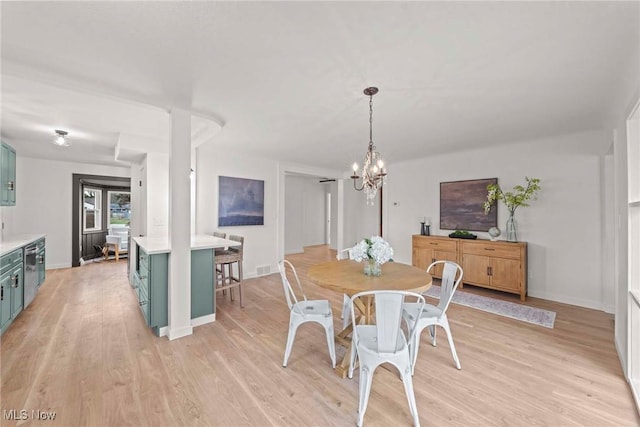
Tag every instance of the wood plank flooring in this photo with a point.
(82, 350)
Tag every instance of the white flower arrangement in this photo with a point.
(374, 248)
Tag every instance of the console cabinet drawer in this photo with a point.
(491, 249)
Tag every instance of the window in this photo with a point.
(92, 216)
(119, 207)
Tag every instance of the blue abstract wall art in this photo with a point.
(240, 201)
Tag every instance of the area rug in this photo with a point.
(534, 315)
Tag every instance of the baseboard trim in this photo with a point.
(596, 305)
(176, 333)
(203, 320)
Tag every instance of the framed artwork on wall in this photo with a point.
(461, 205)
(240, 201)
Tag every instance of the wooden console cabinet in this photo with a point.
(428, 249)
(495, 265)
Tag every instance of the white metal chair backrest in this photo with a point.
(343, 254)
(451, 278)
(388, 308)
(289, 293)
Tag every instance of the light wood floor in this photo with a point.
(82, 350)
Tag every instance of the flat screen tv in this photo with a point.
(461, 205)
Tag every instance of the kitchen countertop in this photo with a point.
(161, 245)
(11, 243)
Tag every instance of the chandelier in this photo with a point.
(374, 173)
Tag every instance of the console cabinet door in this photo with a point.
(476, 269)
(422, 257)
(442, 256)
(506, 274)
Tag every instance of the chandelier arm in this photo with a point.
(354, 185)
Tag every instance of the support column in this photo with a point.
(180, 225)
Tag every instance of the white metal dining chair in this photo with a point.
(346, 301)
(432, 315)
(384, 342)
(318, 311)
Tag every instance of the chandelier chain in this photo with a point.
(371, 122)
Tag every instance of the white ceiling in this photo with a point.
(285, 79)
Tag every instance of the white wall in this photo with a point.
(304, 214)
(43, 203)
(293, 215)
(621, 241)
(335, 220)
(155, 181)
(562, 227)
(259, 240)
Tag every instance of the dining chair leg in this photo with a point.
(331, 342)
(432, 332)
(445, 326)
(352, 360)
(365, 389)
(405, 373)
(240, 282)
(290, 338)
(413, 349)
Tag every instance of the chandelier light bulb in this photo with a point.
(375, 169)
(380, 163)
(355, 167)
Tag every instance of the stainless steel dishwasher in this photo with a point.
(30, 274)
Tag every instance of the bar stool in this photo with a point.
(225, 261)
(219, 252)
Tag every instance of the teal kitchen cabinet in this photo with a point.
(11, 287)
(202, 294)
(41, 260)
(7, 175)
(151, 285)
(5, 300)
(17, 290)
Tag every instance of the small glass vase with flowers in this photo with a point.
(374, 251)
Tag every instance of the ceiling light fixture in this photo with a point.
(61, 138)
(374, 173)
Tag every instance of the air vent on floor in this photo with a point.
(263, 270)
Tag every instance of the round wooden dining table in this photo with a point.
(347, 277)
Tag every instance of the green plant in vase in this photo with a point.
(520, 196)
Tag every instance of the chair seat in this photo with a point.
(368, 339)
(430, 311)
(313, 308)
(225, 257)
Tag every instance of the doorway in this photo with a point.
(98, 203)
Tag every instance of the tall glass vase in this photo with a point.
(512, 228)
(372, 268)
